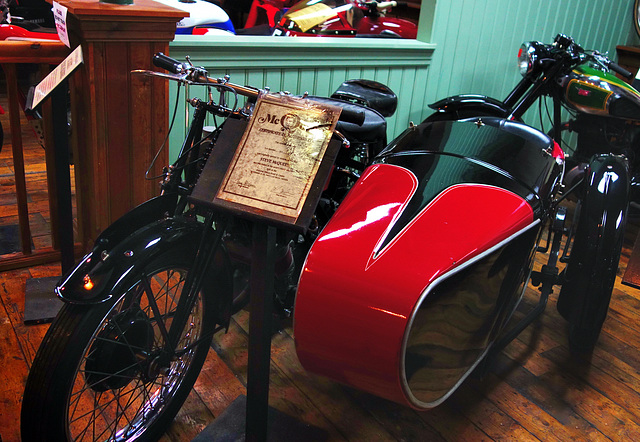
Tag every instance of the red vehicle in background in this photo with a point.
(267, 12)
(331, 18)
(21, 29)
(27, 20)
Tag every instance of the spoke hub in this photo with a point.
(120, 351)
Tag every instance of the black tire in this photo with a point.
(99, 373)
(591, 271)
(636, 16)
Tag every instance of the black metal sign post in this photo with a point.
(273, 173)
(260, 330)
(63, 176)
(41, 304)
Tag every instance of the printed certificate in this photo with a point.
(279, 154)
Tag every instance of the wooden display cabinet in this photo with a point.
(119, 119)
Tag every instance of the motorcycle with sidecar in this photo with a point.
(442, 229)
(404, 281)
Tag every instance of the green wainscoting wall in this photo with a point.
(477, 41)
(472, 48)
(314, 65)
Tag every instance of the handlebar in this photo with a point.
(378, 6)
(384, 5)
(604, 61)
(189, 74)
(620, 70)
(568, 44)
(169, 64)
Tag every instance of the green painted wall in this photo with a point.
(312, 64)
(478, 40)
(473, 47)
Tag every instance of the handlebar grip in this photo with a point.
(172, 65)
(352, 116)
(620, 70)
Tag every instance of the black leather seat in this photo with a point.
(369, 93)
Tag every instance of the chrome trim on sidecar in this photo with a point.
(411, 395)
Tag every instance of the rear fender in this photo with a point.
(465, 106)
(102, 272)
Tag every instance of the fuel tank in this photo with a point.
(595, 92)
(413, 278)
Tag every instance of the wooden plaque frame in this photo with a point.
(261, 153)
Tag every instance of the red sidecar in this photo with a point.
(421, 267)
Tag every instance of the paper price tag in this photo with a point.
(60, 17)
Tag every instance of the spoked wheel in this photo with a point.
(593, 264)
(104, 372)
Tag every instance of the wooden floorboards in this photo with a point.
(535, 390)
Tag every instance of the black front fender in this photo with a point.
(101, 273)
(146, 213)
(599, 233)
(608, 183)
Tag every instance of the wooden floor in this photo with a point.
(536, 390)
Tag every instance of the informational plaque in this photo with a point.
(277, 161)
(55, 77)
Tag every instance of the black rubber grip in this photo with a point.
(620, 70)
(162, 61)
(352, 116)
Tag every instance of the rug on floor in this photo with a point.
(9, 239)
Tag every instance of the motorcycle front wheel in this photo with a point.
(103, 372)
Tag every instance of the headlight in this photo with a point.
(527, 57)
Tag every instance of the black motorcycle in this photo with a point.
(142, 307)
